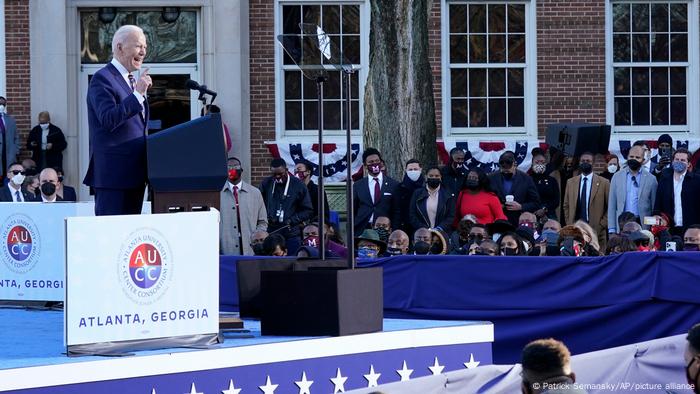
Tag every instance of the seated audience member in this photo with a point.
(334, 234)
(547, 186)
(630, 227)
(460, 237)
(590, 240)
(477, 233)
(310, 238)
(528, 219)
(308, 252)
(546, 367)
(382, 225)
(499, 227)
(479, 200)
(626, 217)
(13, 190)
(256, 242)
(650, 246)
(488, 247)
(571, 241)
(275, 245)
(432, 206)
(551, 224)
(547, 243)
(48, 180)
(67, 193)
(612, 166)
(398, 243)
(368, 245)
(440, 242)
(472, 249)
(528, 237)
(691, 355)
(31, 183)
(691, 239)
(511, 244)
(619, 244)
(421, 241)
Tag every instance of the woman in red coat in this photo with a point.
(478, 200)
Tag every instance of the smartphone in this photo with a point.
(671, 246)
(651, 221)
(665, 153)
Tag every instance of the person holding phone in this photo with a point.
(662, 162)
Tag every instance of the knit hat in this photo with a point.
(665, 138)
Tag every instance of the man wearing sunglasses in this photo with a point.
(13, 191)
(692, 358)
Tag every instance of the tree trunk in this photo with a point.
(399, 115)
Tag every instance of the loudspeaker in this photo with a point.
(323, 301)
(577, 138)
(248, 276)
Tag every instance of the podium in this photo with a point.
(187, 165)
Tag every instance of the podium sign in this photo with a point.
(33, 249)
(134, 277)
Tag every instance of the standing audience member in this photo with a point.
(48, 180)
(479, 200)
(303, 173)
(398, 243)
(676, 196)
(662, 161)
(242, 212)
(632, 190)
(9, 138)
(67, 193)
(412, 180)
(287, 204)
(691, 355)
(516, 191)
(586, 198)
(546, 365)
(547, 187)
(646, 163)
(13, 190)
(434, 205)
(561, 169)
(454, 174)
(47, 143)
(612, 163)
(373, 195)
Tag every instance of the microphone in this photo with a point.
(193, 85)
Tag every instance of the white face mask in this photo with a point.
(413, 174)
(539, 168)
(2, 108)
(18, 179)
(612, 168)
(44, 125)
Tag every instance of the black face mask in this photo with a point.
(383, 233)
(436, 248)
(473, 239)
(634, 165)
(48, 189)
(421, 247)
(585, 168)
(393, 251)
(510, 251)
(472, 184)
(433, 182)
(507, 175)
(258, 249)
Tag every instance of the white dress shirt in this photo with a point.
(125, 74)
(677, 203)
(14, 191)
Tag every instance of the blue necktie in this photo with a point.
(19, 197)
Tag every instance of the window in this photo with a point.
(297, 114)
(488, 67)
(651, 66)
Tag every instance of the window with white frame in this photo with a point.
(487, 67)
(297, 95)
(651, 65)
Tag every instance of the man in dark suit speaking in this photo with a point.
(117, 116)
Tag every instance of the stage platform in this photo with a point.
(32, 359)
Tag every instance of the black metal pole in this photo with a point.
(321, 206)
(350, 228)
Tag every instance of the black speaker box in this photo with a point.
(322, 301)
(577, 138)
(248, 276)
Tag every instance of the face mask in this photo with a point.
(413, 175)
(367, 253)
(509, 251)
(310, 241)
(436, 248)
(433, 183)
(232, 174)
(48, 189)
(18, 179)
(374, 169)
(585, 168)
(383, 233)
(393, 251)
(472, 184)
(679, 167)
(44, 125)
(539, 168)
(421, 247)
(691, 248)
(258, 249)
(300, 175)
(473, 239)
(612, 168)
(279, 180)
(634, 165)
(2, 108)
